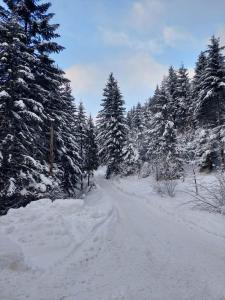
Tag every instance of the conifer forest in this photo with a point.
(128, 203)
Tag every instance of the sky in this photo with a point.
(137, 40)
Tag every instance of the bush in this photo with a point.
(211, 196)
(166, 187)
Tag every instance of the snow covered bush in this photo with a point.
(166, 187)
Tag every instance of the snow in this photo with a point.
(20, 104)
(124, 241)
(11, 256)
(4, 94)
(12, 186)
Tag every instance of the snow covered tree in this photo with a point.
(91, 148)
(131, 160)
(170, 166)
(111, 128)
(38, 149)
(81, 132)
(138, 117)
(129, 119)
(171, 90)
(196, 83)
(163, 151)
(183, 99)
(22, 166)
(155, 104)
(210, 105)
(70, 159)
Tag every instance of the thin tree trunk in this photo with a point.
(222, 156)
(51, 150)
(88, 179)
(195, 181)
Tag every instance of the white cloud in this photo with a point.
(146, 13)
(134, 72)
(84, 78)
(141, 71)
(123, 39)
(115, 38)
(172, 36)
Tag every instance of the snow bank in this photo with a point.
(44, 233)
(11, 256)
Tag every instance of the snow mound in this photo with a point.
(11, 256)
(45, 233)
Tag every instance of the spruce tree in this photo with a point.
(81, 132)
(163, 151)
(44, 110)
(91, 159)
(70, 159)
(22, 167)
(210, 105)
(183, 99)
(111, 128)
(41, 35)
(196, 83)
(131, 161)
(209, 110)
(171, 89)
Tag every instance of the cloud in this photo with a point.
(115, 38)
(132, 42)
(173, 35)
(146, 13)
(141, 71)
(135, 73)
(84, 78)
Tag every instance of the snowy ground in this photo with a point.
(123, 242)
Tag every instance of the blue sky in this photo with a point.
(135, 39)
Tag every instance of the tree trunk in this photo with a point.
(222, 156)
(88, 179)
(51, 150)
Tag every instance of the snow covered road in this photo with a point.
(139, 249)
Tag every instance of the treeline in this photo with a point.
(46, 142)
(184, 121)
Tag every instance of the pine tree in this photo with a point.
(138, 118)
(41, 35)
(70, 159)
(91, 161)
(131, 161)
(22, 167)
(209, 109)
(171, 89)
(210, 106)
(44, 113)
(111, 128)
(196, 86)
(129, 119)
(155, 104)
(81, 136)
(163, 151)
(183, 99)
(156, 126)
